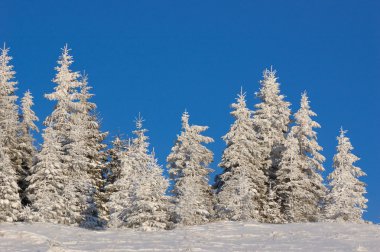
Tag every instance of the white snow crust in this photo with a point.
(219, 236)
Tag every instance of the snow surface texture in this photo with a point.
(220, 236)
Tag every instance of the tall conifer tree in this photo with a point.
(311, 157)
(9, 117)
(271, 121)
(26, 140)
(241, 188)
(299, 182)
(86, 149)
(54, 191)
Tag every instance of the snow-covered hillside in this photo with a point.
(221, 236)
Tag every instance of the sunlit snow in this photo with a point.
(220, 236)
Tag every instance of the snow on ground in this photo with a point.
(220, 236)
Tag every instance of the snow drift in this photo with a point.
(220, 236)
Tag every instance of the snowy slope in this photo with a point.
(221, 236)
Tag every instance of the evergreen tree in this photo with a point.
(10, 203)
(293, 185)
(56, 174)
(66, 96)
(85, 149)
(26, 140)
(312, 160)
(133, 165)
(47, 182)
(345, 201)
(188, 167)
(9, 124)
(271, 120)
(111, 174)
(149, 206)
(120, 188)
(242, 185)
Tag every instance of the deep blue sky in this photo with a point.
(162, 57)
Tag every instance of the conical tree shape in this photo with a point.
(345, 201)
(241, 188)
(188, 167)
(271, 121)
(47, 182)
(299, 182)
(54, 175)
(312, 159)
(9, 123)
(133, 164)
(66, 95)
(149, 209)
(86, 150)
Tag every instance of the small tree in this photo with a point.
(137, 198)
(47, 181)
(188, 167)
(345, 201)
(150, 207)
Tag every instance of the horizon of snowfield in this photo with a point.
(219, 236)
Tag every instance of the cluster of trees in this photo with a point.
(271, 164)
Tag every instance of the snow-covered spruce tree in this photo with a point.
(241, 187)
(119, 186)
(149, 209)
(9, 123)
(10, 203)
(188, 167)
(293, 185)
(312, 160)
(96, 155)
(133, 165)
(47, 182)
(85, 149)
(271, 120)
(26, 140)
(66, 96)
(62, 121)
(345, 201)
(53, 189)
(111, 173)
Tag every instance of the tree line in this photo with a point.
(271, 165)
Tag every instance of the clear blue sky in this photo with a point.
(160, 57)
